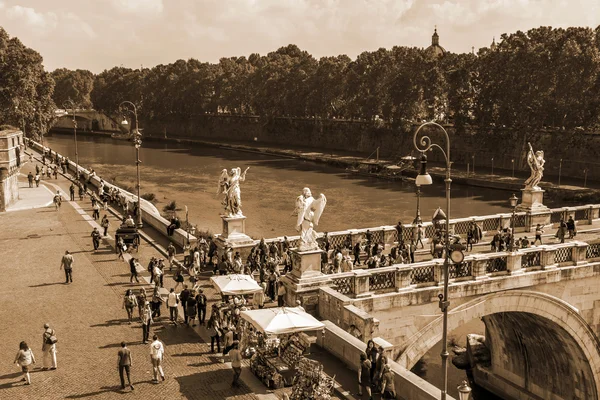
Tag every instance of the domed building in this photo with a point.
(435, 49)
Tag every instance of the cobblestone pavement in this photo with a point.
(88, 317)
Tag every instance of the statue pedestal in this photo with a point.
(532, 200)
(234, 236)
(305, 279)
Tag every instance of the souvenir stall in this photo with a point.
(234, 285)
(311, 382)
(277, 355)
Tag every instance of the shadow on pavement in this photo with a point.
(111, 322)
(104, 389)
(47, 284)
(188, 385)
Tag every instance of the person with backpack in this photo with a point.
(25, 359)
(157, 352)
(201, 306)
(129, 303)
(49, 348)
(57, 200)
(190, 309)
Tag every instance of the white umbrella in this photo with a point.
(281, 320)
(235, 284)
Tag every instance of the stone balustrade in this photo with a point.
(403, 277)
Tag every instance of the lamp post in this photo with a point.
(513, 203)
(464, 391)
(424, 144)
(137, 142)
(423, 163)
(69, 104)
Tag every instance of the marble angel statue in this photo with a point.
(229, 186)
(308, 211)
(536, 163)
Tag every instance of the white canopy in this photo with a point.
(235, 284)
(281, 320)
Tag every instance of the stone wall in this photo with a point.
(364, 137)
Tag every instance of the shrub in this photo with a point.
(172, 206)
(149, 196)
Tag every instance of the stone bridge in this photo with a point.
(87, 121)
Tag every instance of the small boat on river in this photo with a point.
(121, 136)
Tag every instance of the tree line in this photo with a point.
(542, 78)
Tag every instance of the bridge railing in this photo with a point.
(404, 277)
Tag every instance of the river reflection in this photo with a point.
(189, 176)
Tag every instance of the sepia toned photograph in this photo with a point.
(300, 199)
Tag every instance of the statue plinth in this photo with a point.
(532, 200)
(234, 236)
(306, 264)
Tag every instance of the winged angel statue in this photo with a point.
(308, 211)
(229, 185)
(536, 163)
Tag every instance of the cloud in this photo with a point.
(40, 22)
(139, 7)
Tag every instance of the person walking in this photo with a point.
(214, 330)
(146, 319)
(236, 363)
(157, 352)
(30, 179)
(67, 263)
(158, 272)
(81, 192)
(571, 227)
(388, 389)
(105, 223)
(141, 299)
(49, 348)
(172, 302)
(72, 192)
(37, 179)
(96, 210)
(133, 263)
(25, 359)
(201, 306)
(280, 294)
(124, 364)
(156, 301)
(171, 255)
(57, 200)
(538, 234)
(364, 376)
(129, 303)
(95, 238)
(184, 296)
(190, 310)
(562, 230)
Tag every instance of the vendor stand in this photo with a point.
(276, 360)
(233, 285)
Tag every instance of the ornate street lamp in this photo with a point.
(464, 391)
(128, 106)
(513, 203)
(424, 144)
(69, 104)
(422, 179)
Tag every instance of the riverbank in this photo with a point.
(351, 162)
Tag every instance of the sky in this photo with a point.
(100, 34)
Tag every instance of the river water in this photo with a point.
(189, 175)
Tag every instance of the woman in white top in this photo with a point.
(25, 360)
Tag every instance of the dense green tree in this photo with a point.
(75, 85)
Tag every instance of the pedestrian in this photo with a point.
(37, 179)
(281, 295)
(214, 330)
(156, 301)
(57, 200)
(388, 389)
(72, 192)
(129, 303)
(184, 296)
(158, 272)
(178, 278)
(49, 348)
(81, 192)
(538, 234)
(55, 172)
(95, 238)
(133, 264)
(571, 227)
(151, 268)
(25, 359)
(562, 230)
(157, 352)
(96, 210)
(236, 363)
(227, 340)
(172, 303)
(190, 309)
(171, 255)
(105, 223)
(124, 364)
(67, 263)
(364, 376)
(141, 299)
(201, 306)
(146, 320)
(30, 179)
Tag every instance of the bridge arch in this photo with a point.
(547, 329)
